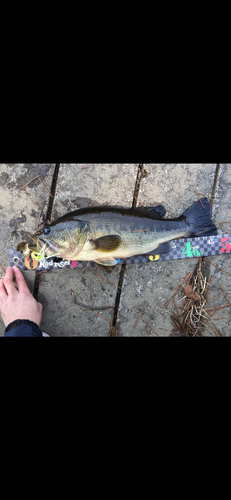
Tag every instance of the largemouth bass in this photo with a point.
(107, 234)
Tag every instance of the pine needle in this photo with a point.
(224, 294)
(3, 269)
(28, 183)
(148, 326)
(44, 185)
(198, 196)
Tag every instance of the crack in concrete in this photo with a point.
(38, 275)
(140, 174)
(215, 184)
(53, 191)
(206, 264)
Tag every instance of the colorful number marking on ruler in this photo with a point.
(28, 266)
(153, 258)
(190, 252)
(225, 245)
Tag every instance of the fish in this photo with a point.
(106, 234)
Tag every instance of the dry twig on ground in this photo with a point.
(196, 315)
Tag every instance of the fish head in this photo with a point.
(64, 240)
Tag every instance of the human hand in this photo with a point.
(18, 304)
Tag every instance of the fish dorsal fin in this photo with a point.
(108, 243)
(158, 212)
(161, 210)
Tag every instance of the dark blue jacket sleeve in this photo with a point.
(24, 331)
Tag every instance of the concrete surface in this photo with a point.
(19, 211)
(146, 287)
(222, 277)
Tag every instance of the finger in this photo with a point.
(22, 286)
(3, 292)
(8, 282)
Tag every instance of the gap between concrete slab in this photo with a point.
(52, 191)
(215, 184)
(38, 275)
(123, 269)
(206, 264)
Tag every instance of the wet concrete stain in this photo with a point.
(3, 178)
(14, 223)
(34, 214)
(83, 281)
(29, 173)
(24, 236)
(79, 202)
(19, 220)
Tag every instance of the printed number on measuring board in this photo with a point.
(190, 251)
(225, 245)
(154, 257)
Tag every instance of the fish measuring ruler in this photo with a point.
(180, 249)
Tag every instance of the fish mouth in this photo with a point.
(50, 246)
(46, 247)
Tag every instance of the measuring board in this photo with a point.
(206, 246)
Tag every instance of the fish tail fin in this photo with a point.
(199, 217)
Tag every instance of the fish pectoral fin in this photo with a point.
(106, 262)
(107, 243)
(164, 248)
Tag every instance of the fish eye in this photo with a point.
(47, 230)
